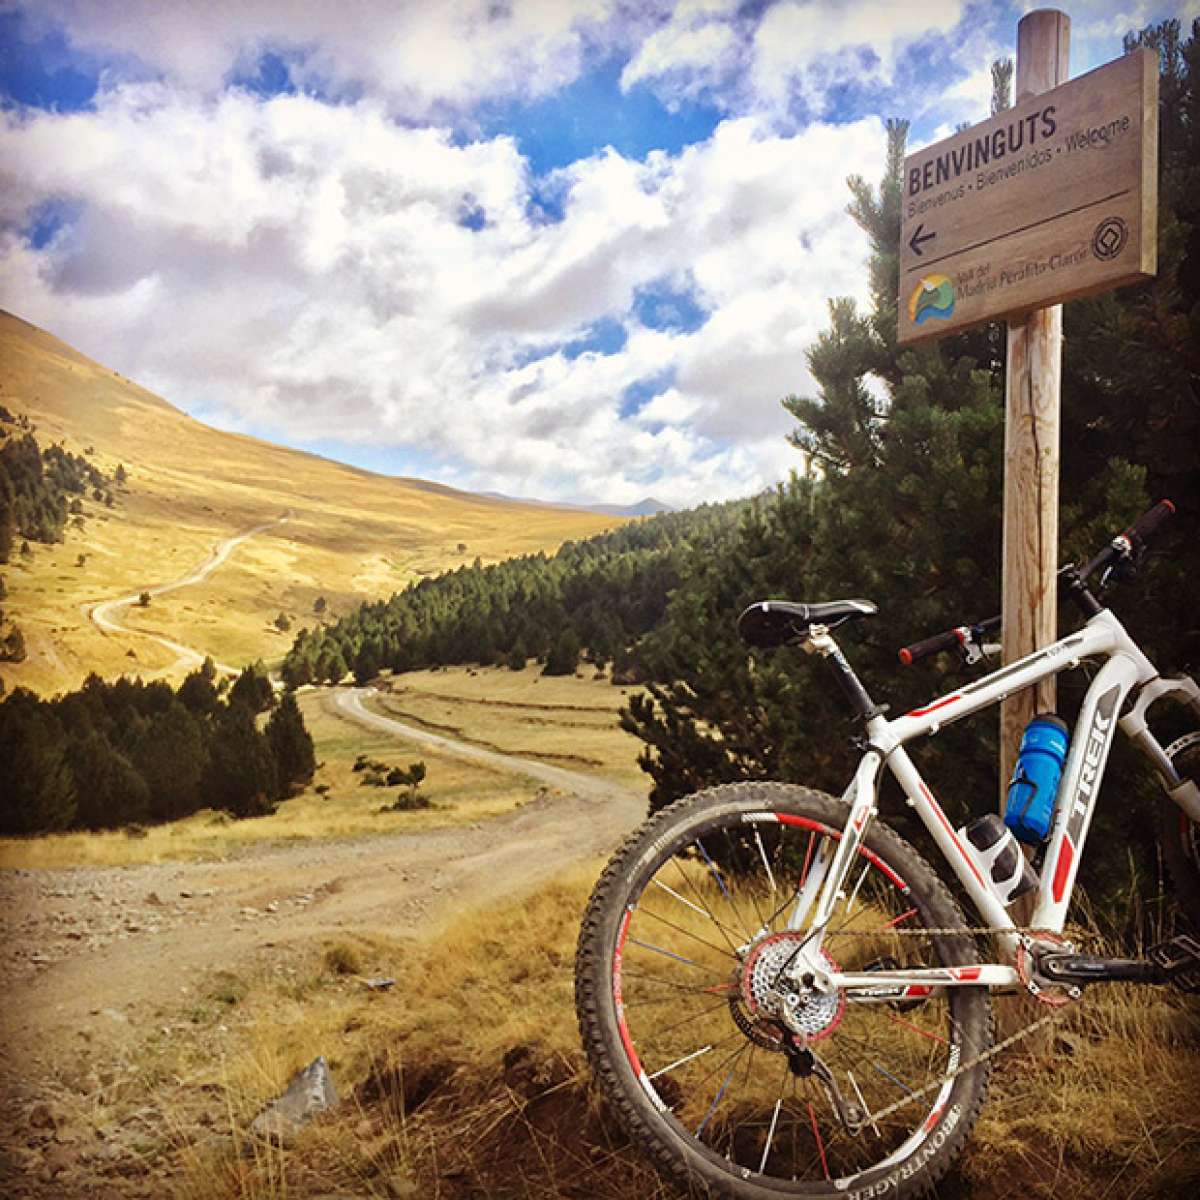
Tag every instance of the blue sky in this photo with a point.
(573, 249)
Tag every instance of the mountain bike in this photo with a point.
(777, 993)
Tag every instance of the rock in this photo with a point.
(155, 899)
(379, 983)
(309, 1092)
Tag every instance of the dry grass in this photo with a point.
(466, 1079)
(352, 535)
(570, 721)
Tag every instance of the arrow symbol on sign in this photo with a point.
(915, 242)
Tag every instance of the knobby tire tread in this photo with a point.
(593, 978)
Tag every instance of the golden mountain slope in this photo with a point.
(350, 535)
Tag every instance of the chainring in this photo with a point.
(1050, 992)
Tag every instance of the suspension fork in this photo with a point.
(1134, 725)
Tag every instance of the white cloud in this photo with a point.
(418, 56)
(803, 48)
(694, 49)
(302, 268)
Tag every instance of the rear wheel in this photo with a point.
(681, 1001)
(1178, 834)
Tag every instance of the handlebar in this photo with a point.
(963, 635)
(1123, 548)
(1132, 540)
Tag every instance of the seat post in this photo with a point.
(821, 642)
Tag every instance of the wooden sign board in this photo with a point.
(1051, 199)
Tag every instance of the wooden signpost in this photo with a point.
(1051, 199)
(1054, 198)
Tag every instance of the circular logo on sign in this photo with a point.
(932, 297)
(1109, 239)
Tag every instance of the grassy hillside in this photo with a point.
(350, 535)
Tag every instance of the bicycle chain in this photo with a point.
(996, 1048)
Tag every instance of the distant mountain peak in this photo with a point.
(648, 507)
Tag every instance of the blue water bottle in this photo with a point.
(1029, 812)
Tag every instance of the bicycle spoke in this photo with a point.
(817, 1138)
(712, 866)
(688, 1020)
(711, 916)
(659, 950)
(716, 1100)
(763, 856)
(680, 929)
(679, 1062)
(711, 990)
(753, 898)
(762, 1166)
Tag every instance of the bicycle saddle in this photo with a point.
(776, 622)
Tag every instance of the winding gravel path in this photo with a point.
(103, 615)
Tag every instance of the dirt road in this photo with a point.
(80, 941)
(349, 702)
(89, 955)
(103, 615)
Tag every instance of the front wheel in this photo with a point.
(679, 993)
(1179, 834)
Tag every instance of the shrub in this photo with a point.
(343, 959)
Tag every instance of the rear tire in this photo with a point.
(1178, 834)
(684, 930)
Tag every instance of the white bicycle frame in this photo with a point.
(1126, 668)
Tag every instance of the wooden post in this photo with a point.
(1031, 438)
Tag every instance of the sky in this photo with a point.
(566, 249)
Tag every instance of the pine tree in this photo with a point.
(170, 755)
(111, 791)
(253, 689)
(564, 654)
(366, 664)
(291, 743)
(197, 693)
(241, 775)
(37, 787)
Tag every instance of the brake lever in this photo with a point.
(1124, 566)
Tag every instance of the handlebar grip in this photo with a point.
(1149, 521)
(1134, 538)
(946, 641)
(931, 645)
